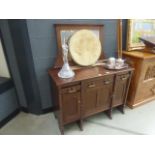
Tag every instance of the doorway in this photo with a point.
(4, 70)
(9, 105)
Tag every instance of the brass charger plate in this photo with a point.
(84, 47)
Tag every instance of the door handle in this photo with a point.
(91, 85)
(123, 78)
(72, 90)
(153, 91)
(106, 82)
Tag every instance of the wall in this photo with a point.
(4, 72)
(8, 94)
(14, 71)
(23, 53)
(44, 46)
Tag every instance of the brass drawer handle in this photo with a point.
(79, 101)
(91, 85)
(124, 78)
(106, 82)
(72, 90)
(153, 91)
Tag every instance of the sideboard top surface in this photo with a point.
(140, 54)
(84, 74)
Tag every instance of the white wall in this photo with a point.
(4, 72)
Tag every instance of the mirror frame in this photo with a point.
(74, 27)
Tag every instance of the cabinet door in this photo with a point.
(105, 93)
(90, 96)
(71, 104)
(120, 89)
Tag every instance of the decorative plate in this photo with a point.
(85, 47)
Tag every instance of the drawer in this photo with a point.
(71, 89)
(107, 80)
(123, 77)
(91, 84)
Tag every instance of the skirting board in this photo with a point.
(47, 110)
(9, 117)
(44, 111)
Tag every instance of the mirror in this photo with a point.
(66, 30)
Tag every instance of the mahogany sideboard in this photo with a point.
(91, 91)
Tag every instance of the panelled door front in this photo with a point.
(90, 96)
(120, 88)
(71, 100)
(105, 93)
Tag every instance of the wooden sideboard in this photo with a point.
(91, 91)
(142, 88)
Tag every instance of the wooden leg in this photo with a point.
(61, 125)
(109, 113)
(62, 130)
(55, 115)
(80, 124)
(121, 109)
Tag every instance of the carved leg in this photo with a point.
(80, 124)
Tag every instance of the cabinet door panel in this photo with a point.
(71, 106)
(97, 94)
(120, 89)
(105, 94)
(90, 99)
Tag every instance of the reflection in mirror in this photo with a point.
(66, 34)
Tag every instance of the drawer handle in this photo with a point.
(72, 90)
(106, 82)
(91, 85)
(123, 78)
(153, 91)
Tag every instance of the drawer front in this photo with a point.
(107, 80)
(122, 77)
(98, 82)
(71, 89)
(91, 84)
